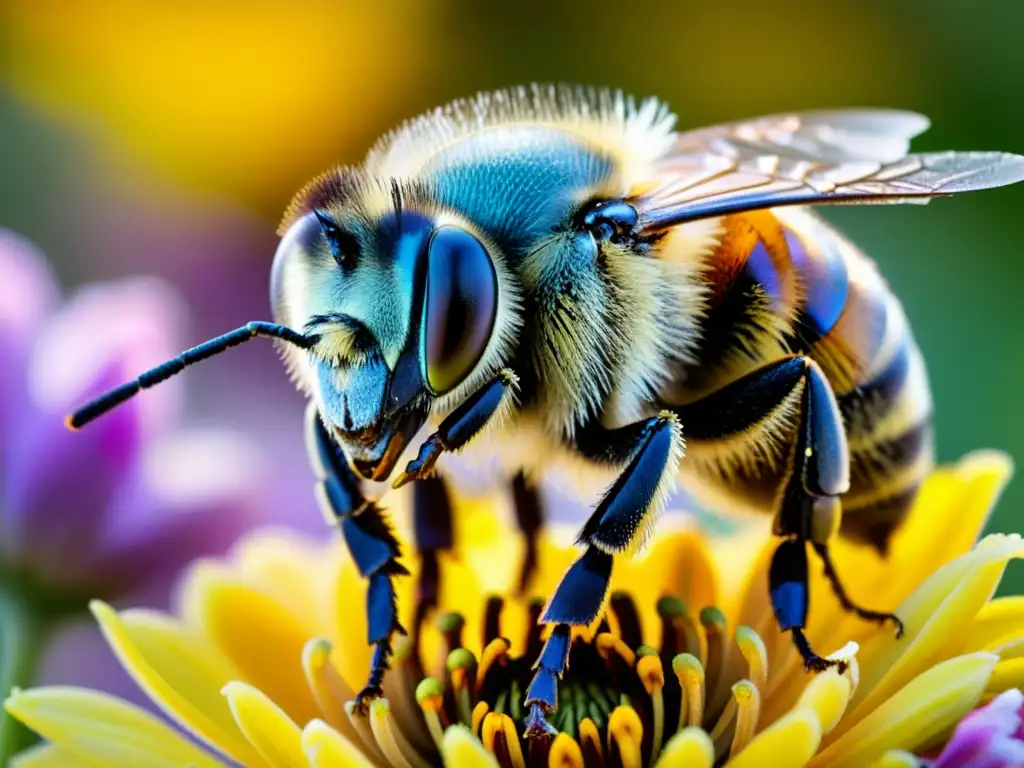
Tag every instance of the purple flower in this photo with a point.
(118, 507)
(127, 500)
(990, 737)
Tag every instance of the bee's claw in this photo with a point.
(536, 724)
(424, 462)
(367, 695)
(820, 664)
(402, 479)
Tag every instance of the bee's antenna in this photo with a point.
(164, 371)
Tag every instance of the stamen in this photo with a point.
(617, 655)
(492, 618)
(390, 739)
(360, 719)
(461, 666)
(430, 697)
(479, 713)
(450, 625)
(534, 640)
(753, 649)
(499, 736)
(565, 753)
(748, 704)
(690, 673)
(494, 656)
(628, 618)
(713, 622)
(590, 743)
(400, 688)
(625, 737)
(679, 632)
(652, 675)
(327, 685)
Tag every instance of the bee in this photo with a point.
(558, 268)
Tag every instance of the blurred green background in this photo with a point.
(137, 138)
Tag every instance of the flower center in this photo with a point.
(615, 706)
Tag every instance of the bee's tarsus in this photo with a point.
(878, 617)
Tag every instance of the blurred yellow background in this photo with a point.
(140, 137)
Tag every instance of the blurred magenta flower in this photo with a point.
(991, 737)
(121, 505)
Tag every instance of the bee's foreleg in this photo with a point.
(577, 601)
(432, 532)
(369, 539)
(463, 424)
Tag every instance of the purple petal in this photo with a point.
(192, 495)
(987, 738)
(58, 484)
(27, 292)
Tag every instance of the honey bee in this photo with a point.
(559, 268)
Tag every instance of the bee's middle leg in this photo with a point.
(621, 520)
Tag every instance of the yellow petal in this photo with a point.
(897, 758)
(326, 748)
(826, 695)
(948, 514)
(51, 756)
(348, 630)
(937, 619)
(290, 568)
(917, 716)
(461, 749)
(951, 510)
(689, 748)
(103, 729)
(998, 620)
(180, 672)
(266, 725)
(1007, 674)
(790, 742)
(262, 638)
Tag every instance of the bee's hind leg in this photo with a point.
(808, 508)
(369, 539)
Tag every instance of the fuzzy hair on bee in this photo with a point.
(561, 270)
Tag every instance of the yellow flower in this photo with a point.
(262, 658)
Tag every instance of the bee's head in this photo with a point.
(408, 302)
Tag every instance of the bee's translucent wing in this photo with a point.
(818, 158)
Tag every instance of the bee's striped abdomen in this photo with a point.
(782, 282)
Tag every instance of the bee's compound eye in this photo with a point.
(460, 307)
